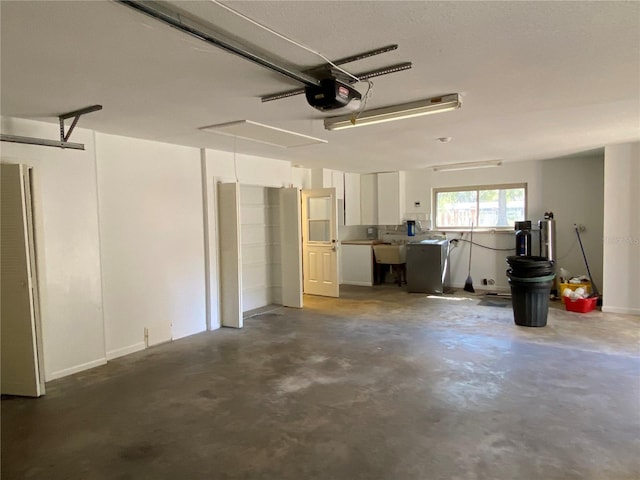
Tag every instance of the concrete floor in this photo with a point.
(378, 384)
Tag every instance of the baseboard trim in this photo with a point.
(188, 333)
(626, 311)
(359, 284)
(78, 368)
(121, 352)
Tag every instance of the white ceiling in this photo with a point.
(537, 79)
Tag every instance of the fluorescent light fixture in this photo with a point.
(257, 132)
(466, 165)
(444, 103)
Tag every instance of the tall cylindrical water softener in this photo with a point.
(548, 236)
(548, 243)
(523, 238)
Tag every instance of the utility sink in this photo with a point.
(390, 254)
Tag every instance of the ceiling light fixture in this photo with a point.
(441, 104)
(257, 132)
(466, 165)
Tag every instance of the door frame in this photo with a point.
(330, 246)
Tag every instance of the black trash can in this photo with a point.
(530, 299)
(525, 267)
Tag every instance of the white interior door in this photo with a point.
(230, 255)
(291, 247)
(320, 242)
(20, 359)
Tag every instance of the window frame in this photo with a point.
(476, 188)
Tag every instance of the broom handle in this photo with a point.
(470, 247)
(595, 289)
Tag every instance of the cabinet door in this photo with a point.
(369, 199)
(337, 182)
(357, 265)
(327, 178)
(391, 198)
(352, 199)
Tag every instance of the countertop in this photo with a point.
(361, 242)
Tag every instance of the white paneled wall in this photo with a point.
(260, 225)
(152, 242)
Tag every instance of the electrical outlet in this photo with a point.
(484, 281)
(491, 281)
(416, 204)
(582, 228)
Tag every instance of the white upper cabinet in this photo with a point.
(326, 178)
(391, 198)
(337, 181)
(365, 199)
(369, 199)
(352, 212)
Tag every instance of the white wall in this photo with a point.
(622, 226)
(485, 263)
(141, 244)
(157, 202)
(252, 170)
(68, 255)
(571, 188)
(152, 242)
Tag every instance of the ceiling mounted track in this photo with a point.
(361, 76)
(181, 22)
(64, 136)
(327, 70)
(309, 78)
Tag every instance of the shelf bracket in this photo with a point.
(64, 137)
(76, 114)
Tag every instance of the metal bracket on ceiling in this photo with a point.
(76, 114)
(64, 137)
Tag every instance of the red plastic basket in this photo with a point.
(580, 305)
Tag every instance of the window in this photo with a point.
(488, 206)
